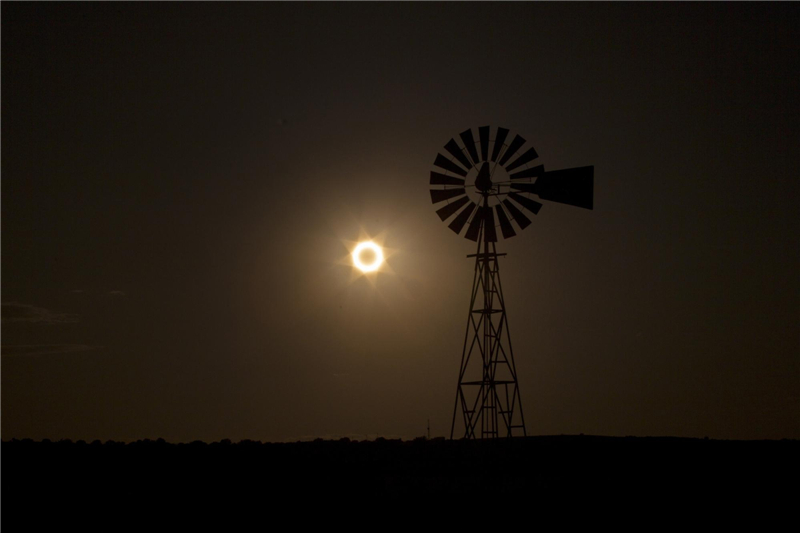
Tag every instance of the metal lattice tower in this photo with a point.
(488, 390)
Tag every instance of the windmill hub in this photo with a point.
(486, 184)
(484, 180)
(477, 187)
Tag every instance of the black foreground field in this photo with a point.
(65, 478)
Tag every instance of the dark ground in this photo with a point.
(64, 481)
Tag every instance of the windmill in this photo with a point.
(487, 183)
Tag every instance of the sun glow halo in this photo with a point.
(369, 247)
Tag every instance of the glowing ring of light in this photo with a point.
(368, 246)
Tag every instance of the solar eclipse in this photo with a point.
(367, 256)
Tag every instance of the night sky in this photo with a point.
(181, 184)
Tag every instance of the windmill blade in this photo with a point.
(443, 162)
(455, 150)
(502, 133)
(531, 205)
(517, 215)
(505, 224)
(571, 186)
(483, 134)
(450, 209)
(469, 144)
(527, 157)
(440, 195)
(473, 232)
(458, 223)
(533, 172)
(441, 179)
(490, 232)
(515, 145)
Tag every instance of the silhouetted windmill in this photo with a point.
(479, 182)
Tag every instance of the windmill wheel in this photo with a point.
(486, 176)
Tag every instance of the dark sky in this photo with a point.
(180, 185)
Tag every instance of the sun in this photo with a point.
(367, 256)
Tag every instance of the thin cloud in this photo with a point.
(116, 293)
(27, 350)
(13, 312)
